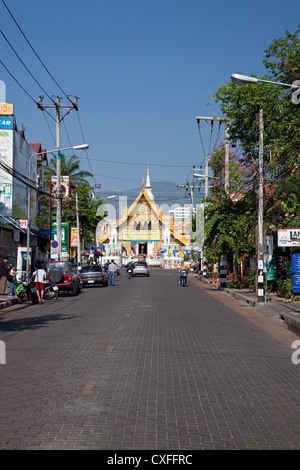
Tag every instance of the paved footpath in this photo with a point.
(147, 365)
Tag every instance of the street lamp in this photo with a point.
(240, 79)
(76, 147)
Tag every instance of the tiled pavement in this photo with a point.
(146, 364)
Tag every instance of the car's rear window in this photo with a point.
(87, 269)
(58, 265)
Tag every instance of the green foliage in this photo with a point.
(235, 284)
(285, 288)
(240, 105)
(229, 228)
(70, 166)
(251, 279)
(87, 209)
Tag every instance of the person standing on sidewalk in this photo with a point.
(4, 269)
(12, 287)
(112, 268)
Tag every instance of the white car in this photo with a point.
(140, 267)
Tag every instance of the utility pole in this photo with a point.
(58, 119)
(226, 179)
(78, 234)
(190, 187)
(260, 240)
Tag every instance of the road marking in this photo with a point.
(87, 390)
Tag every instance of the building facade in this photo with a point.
(142, 231)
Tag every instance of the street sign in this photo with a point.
(289, 237)
(268, 249)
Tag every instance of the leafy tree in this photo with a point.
(227, 224)
(240, 104)
(69, 167)
(229, 228)
(87, 209)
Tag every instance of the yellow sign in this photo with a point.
(74, 240)
(6, 108)
(140, 235)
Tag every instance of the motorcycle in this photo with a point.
(51, 290)
(183, 278)
(26, 291)
(129, 272)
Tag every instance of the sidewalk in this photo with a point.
(5, 301)
(286, 310)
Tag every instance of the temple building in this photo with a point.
(142, 231)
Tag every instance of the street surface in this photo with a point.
(145, 365)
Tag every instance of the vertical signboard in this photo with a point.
(64, 241)
(296, 272)
(6, 158)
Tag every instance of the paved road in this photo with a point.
(149, 365)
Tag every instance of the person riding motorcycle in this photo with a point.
(129, 267)
(183, 270)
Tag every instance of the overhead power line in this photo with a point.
(40, 60)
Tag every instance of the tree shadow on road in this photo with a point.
(32, 323)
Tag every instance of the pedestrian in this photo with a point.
(4, 270)
(12, 287)
(40, 277)
(112, 268)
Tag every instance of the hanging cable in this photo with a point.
(40, 60)
(24, 65)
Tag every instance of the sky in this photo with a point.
(142, 70)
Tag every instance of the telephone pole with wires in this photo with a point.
(58, 107)
(226, 166)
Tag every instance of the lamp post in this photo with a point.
(76, 147)
(240, 79)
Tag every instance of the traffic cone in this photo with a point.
(214, 280)
(218, 281)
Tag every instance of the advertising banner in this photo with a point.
(74, 241)
(65, 186)
(6, 122)
(289, 237)
(140, 235)
(6, 109)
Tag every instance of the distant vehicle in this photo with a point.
(93, 276)
(141, 268)
(65, 276)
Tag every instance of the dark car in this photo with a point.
(93, 276)
(65, 276)
(141, 267)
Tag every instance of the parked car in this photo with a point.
(93, 276)
(140, 267)
(65, 276)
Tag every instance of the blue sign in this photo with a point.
(296, 271)
(6, 122)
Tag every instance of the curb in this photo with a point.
(291, 319)
(8, 303)
(241, 297)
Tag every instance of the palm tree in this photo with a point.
(69, 167)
